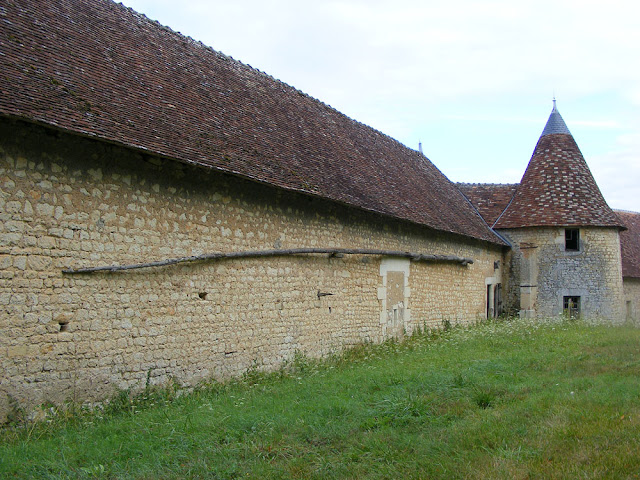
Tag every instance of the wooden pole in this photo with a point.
(416, 257)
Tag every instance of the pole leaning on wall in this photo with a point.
(333, 252)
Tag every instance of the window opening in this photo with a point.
(571, 306)
(572, 239)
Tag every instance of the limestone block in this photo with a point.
(17, 351)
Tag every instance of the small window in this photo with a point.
(571, 307)
(572, 239)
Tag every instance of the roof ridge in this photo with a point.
(489, 199)
(489, 183)
(475, 209)
(505, 208)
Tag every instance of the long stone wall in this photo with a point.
(68, 202)
(632, 299)
(542, 273)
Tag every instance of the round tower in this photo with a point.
(566, 246)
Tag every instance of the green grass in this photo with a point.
(511, 399)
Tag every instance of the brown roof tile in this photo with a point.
(557, 188)
(630, 243)
(96, 68)
(490, 199)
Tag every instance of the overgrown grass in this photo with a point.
(510, 399)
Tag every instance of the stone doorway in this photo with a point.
(394, 296)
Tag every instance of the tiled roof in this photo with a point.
(490, 199)
(630, 244)
(97, 68)
(557, 188)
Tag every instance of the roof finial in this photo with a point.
(555, 124)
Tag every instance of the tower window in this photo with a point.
(571, 306)
(572, 239)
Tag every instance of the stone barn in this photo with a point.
(125, 143)
(169, 213)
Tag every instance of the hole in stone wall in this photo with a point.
(64, 326)
(203, 295)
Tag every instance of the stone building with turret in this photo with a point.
(169, 213)
(565, 240)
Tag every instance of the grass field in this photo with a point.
(507, 399)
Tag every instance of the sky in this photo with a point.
(473, 81)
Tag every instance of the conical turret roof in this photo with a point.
(557, 188)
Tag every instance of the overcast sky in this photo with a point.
(473, 81)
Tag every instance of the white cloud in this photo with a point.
(618, 173)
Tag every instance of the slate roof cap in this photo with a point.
(555, 123)
(97, 68)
